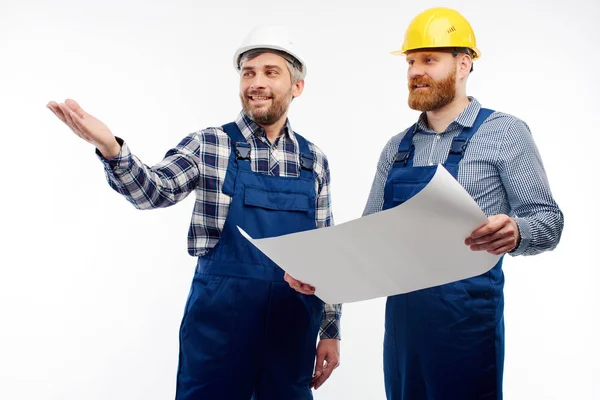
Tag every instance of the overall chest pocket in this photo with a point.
(407, 182)
(276, 201)
(272, 213)
(404, 189)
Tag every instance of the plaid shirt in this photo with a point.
(199, 163)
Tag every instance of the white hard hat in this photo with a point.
(273, 37)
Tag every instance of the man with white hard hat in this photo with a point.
(245, 333)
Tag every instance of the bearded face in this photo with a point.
(426, 94)
(266, 88)
(265, 107)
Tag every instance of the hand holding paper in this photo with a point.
(301, 287)
(499, 235)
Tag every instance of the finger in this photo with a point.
(496, 244)
(74, 106)
(58, 114)
(501, 250)
(297, 285)
(308, 288)
(302, 290)
(327, 371)
(501, 244)
(489, 228)
(319, 366)
(66, 113)
(289, 279)
(63, 114)
(316, 380)
(506, 230)
(495, 223)
(52, 106)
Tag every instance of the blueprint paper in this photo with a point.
(416, 245)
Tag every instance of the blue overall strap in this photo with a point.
(236, 138)
(406, 149)
(460, 142)
(307, 160)
(239, 147)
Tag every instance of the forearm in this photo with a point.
(145, 187)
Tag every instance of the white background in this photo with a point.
(92, 291)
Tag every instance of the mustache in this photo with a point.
(420, 81)
(258, 93)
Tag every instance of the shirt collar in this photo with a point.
(466, 119)
(250, 128)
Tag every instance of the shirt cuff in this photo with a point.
(330, 329)
(525, 234)
(122, 161)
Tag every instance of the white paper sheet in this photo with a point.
(416, 245)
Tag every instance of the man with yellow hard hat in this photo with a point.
(447, 342)
(245, 333)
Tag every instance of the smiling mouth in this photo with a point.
(259, 98)
(416, 87)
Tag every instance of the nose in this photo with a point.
(416, 71)
(257, 82)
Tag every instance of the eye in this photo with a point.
(272, 72)
(429, 60)
(410, 62)
(248, 74)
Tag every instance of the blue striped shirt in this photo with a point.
(502, 171)
(199, 164)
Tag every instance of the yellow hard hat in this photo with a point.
(439, 27)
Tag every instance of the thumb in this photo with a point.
(76, 108)
(319, 364)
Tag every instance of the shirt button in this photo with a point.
(438, 136)
(430, 164)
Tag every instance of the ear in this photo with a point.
(464, 65)
(297, 88)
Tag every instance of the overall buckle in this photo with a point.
(306, 162)
(242, 151)
(403, 156)
(458, 146)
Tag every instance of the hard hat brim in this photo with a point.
(238, 54)
(401, 52)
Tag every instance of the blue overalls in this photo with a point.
(245, 333)
(445, 342)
